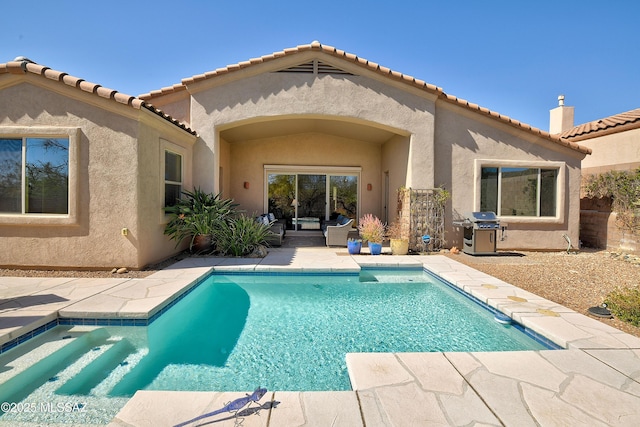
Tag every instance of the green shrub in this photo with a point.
(197, 213)
(623, 187)
(240, 236)
(625, 305)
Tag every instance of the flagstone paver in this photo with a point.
(166, 408)
(414, 389)
(625, 361)
(316, 408)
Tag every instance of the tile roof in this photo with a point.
(22, 66)
(515, 123)
(613, 124)
(372, 66)
(314, 46)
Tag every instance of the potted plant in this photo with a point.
(372, 230)
(354, 246)
(398, 234)
(195, 217)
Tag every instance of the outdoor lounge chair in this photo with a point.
(277, 229)
(276, 234)
(336, 235)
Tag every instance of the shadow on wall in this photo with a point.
(594, 222)
(257, 89)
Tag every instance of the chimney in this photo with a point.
(561, 117)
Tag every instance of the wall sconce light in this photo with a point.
(369, 187)
(246, 185)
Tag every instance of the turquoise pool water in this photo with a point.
(237, 332)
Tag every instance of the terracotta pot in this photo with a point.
(202, 242)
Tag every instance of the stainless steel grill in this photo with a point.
(480, 231)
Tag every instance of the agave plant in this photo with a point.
(240, 236)
(197, 214)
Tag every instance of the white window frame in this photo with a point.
(320, 170)
(560, 187)
(183, 152)
(73, 136)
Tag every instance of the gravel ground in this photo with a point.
(92, 273)
(577, 281)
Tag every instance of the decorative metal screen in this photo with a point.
(424, 210)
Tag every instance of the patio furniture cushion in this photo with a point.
(340, 220)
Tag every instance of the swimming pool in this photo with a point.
(283, 332)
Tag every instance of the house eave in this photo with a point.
(508, 121)
(77, 88)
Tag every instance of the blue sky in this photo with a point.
(514, 57)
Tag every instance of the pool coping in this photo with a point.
(582, 336)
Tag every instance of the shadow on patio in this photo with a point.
(303, 239)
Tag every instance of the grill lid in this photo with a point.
(482, 216)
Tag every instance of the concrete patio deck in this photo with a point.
(595, 381)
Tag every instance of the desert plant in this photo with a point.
(197, 214)
(625, 305)
(623, 187)
(371, 229)
(240, 236)
(398, 234)
(398, 230)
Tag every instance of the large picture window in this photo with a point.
(34, 175)
(519, 191)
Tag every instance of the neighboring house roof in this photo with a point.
(24, 65)
(372, 66)
(613, 124)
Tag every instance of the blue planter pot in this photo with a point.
(375, 248)
(354, 247)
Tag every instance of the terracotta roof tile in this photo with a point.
(612, 124)
(170, 89)
(515, 123)
(71, 81)
(23, 66)
(295, 50)
(373, 66)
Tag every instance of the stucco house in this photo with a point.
(615, 145)
(614, 141)
(304, 132)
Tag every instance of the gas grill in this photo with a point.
(480, 230)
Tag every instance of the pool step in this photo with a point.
(119, 372)
(93, 373)
(33, 365)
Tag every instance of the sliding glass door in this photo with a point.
(344, 195)
(305, 199)
(312, 202)
(282, 196)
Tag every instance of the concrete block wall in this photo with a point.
(599, 228)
